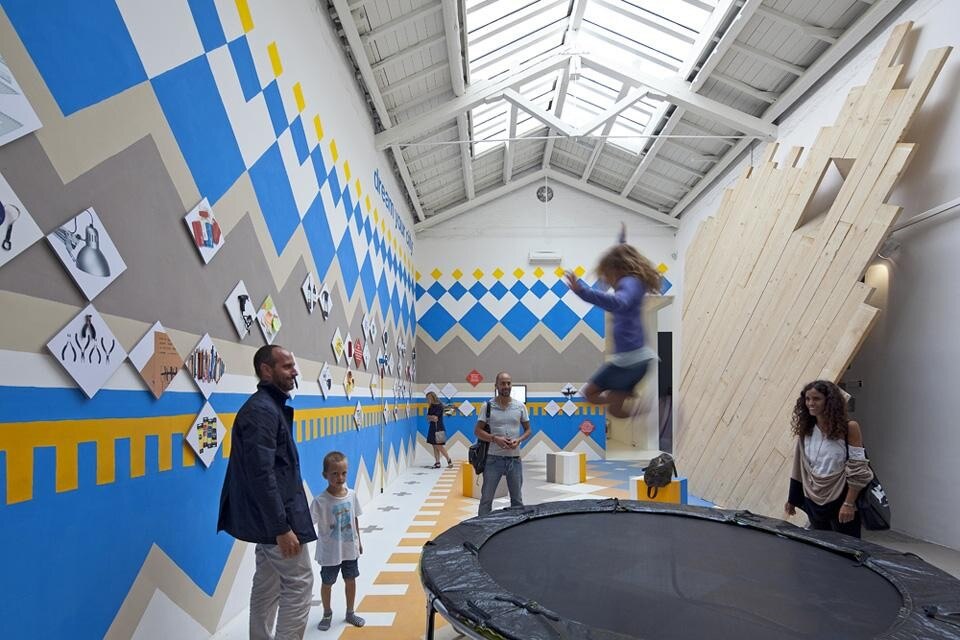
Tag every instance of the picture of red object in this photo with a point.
(358, 351)
(587, 427)
(474, 378)
(206, 230)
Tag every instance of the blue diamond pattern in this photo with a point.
(477, 290)
(436, 321)
(559, 288)
(457, 290)
(539, 289)
(594, 320)
(519, 321)
(317, 229)
(395, 306)
(478, 321)
(436, 290)
(383, 295)
(368, 281)
(348, 263)
(420, 291)
(665, 285)
(561, 319)
(498, 290)
(519, 289)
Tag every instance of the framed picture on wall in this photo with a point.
(17, 227)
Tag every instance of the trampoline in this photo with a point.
(616, 569)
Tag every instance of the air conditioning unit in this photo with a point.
(544, 256)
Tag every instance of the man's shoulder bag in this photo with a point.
(659, 473)
(477, 453)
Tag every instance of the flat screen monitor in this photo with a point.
(519, 393)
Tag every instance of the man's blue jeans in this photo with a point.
(496, 468)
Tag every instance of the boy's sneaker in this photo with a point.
(354, 619)
(326, 621)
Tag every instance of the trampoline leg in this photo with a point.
(431, 619)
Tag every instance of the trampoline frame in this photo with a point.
(930, 597)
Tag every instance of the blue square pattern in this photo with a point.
(539, 289)
(560, 288)
(420, 291)
(368, 281)
(348, 263)
(272, 186)
(405, 315)
(299, 140)
(519, 289)
(317, 230)
(436, 290)
(478, 290)
(194, 110)
(561, 320)
(594, 320)
(246, 70)
(436, 321)
(82, 49)
(478, 322)
(457, 290)
(498, 290)
(208, 24)
(519, 321)
(278, 115)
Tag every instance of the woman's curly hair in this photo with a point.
(625, 260)
(835, 409)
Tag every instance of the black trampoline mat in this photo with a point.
(664, 576)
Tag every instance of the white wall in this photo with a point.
(503, 232)
(910, 363)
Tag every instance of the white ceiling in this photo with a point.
(642, 103)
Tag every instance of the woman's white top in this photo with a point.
(827, 457)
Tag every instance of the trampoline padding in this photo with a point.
(618, 569)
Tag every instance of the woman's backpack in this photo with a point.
(659, 473)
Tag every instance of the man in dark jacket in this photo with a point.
(263, 501)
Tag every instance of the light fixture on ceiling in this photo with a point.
(89, 258)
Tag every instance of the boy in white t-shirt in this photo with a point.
(335, 512)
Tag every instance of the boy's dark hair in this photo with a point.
(331, 458)
(264, 355)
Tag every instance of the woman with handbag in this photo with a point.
(830, 467)
(436, 435)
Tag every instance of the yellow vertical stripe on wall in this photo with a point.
(298, 97)
(67, 473)
(19, 473)
(106, 461)
(333, 150)
(138, 456)
(583, 467)
(346, 170)
(165, 452)
(246, 21)
(318, 126)
(274, 54)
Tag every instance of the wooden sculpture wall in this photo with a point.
(774, 299)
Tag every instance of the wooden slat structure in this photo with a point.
(773, 295)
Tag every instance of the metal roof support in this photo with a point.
(768, 58)
(465, 157)
(417, 47)
(393, 25)
(598, 146)
(510, 146)
(476, 94)
(406, 81)
(366, 73)
(729, 36)
(850, 38)
(546, 118)
(829, 36)
(651, 153)
(680, 93)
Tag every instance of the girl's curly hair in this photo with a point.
(835, 410)
(625, 260)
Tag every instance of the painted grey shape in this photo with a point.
(538, 362)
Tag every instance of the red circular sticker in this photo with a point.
(587, 427)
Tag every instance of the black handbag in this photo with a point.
(659, 473)
(477, 453)
(873, 506)
(872, 502)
